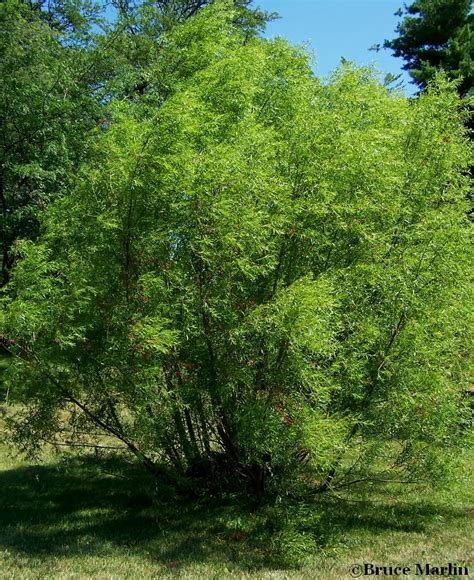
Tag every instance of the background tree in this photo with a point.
(74, 19)
(259, 274)
(434, 35)
(133, 39)
(171, 12)
(46, 111)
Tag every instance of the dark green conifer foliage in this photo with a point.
(434, 35)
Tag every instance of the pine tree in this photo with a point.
(434, 35)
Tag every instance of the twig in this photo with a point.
(93, 446)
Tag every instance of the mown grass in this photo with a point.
(66, 517)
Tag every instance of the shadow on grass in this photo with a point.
(75, 508)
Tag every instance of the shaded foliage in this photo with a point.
(61, 62)
(46, 111)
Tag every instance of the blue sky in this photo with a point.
(339, 28)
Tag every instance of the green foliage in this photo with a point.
(260, 270)
(72, 19)
(46, 112)
(61, 63)
(434, 35)
(136, 38)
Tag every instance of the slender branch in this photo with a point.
(376, 480)
(90, 445)
(329, 487)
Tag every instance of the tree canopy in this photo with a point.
(61, 63)
(254, 271)
(434, 35)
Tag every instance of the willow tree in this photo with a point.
(262, 274)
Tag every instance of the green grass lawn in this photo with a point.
(66, 517)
